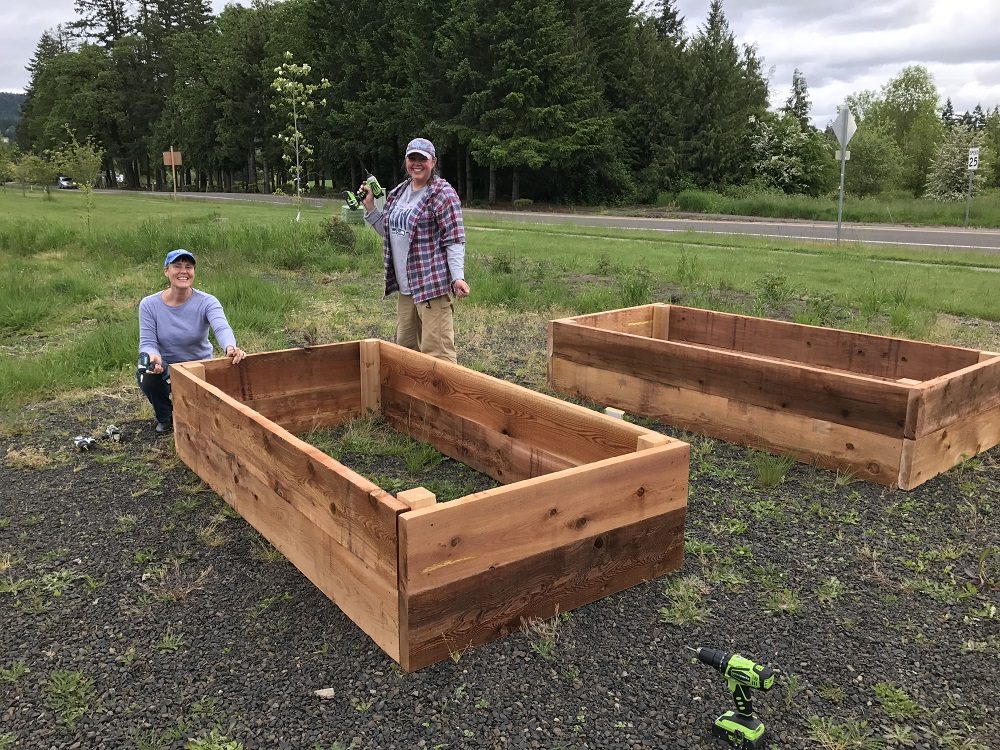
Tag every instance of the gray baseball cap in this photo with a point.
(421, 146)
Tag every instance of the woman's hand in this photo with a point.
(155, 364)
(369, 200)
(460, 288)
(235, 353)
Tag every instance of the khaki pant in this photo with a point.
(428, 327)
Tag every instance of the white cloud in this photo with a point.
(848, 46)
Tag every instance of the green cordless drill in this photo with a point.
(354, 201)
(740, 728)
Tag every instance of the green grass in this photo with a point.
(68, 293)
(68, 695)
(893, 208)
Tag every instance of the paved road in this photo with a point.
(881, 234)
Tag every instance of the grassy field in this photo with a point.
(72, 278)
(141, 612)
(894, 208)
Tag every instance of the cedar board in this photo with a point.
(589, 505)
(889, 410)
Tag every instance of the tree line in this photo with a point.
(588, 101)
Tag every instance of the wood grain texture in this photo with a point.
(842, 398)
(871, 456)
(287, 372)
(530, 418)
(418, 497)
(953, 398)
(371, 386)
(494, 601)
(660, 327)
(486, 450)
(353, 521)
(635, 320)
(945, 448)
(489, 529)
(860, 353)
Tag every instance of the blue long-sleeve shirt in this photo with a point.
(180, 334)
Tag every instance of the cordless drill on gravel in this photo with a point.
(740, 728)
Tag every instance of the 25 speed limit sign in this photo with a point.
(973, 159)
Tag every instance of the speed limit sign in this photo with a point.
(973, 159)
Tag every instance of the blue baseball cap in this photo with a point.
(421, 146)
(174, 255)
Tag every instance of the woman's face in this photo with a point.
(180, 274)
(419, 168)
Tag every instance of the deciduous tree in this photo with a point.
(875, 158)
(948, 179)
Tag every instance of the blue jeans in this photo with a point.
(158, 393)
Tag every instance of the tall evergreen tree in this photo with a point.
(798, 104)
(724, 90)
(668, 21)
(103, 22)
(978, 117)
(948, 113)
(53, 42)
(652, 121)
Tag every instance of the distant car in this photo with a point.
(66, 183)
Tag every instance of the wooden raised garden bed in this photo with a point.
(590, 505)
(889, 410)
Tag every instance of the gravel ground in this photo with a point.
(136, 612)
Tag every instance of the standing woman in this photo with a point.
(423, 253)
(173, 327)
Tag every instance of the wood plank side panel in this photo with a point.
(635, 320)
(371, 388)
(349, 507)
(499, 456)
(871, 456)
(852, 400)
(370, 601)
(286, 372)
(861, 353)
(475, 610)
(497, 527)
(526, 416)
(954, 397)
(308, 411)
(945, 448)
(660, 328)
(291, 477)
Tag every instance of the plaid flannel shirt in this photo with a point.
(438, 223)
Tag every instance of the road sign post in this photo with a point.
(844, 128)
(973, 166)
(172, 159)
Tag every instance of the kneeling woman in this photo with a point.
(173, 327)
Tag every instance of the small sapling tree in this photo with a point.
(34, 170)
(296, 101)
(82, 162)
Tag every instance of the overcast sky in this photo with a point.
(841, 46)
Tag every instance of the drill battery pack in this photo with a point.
(745, 732)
